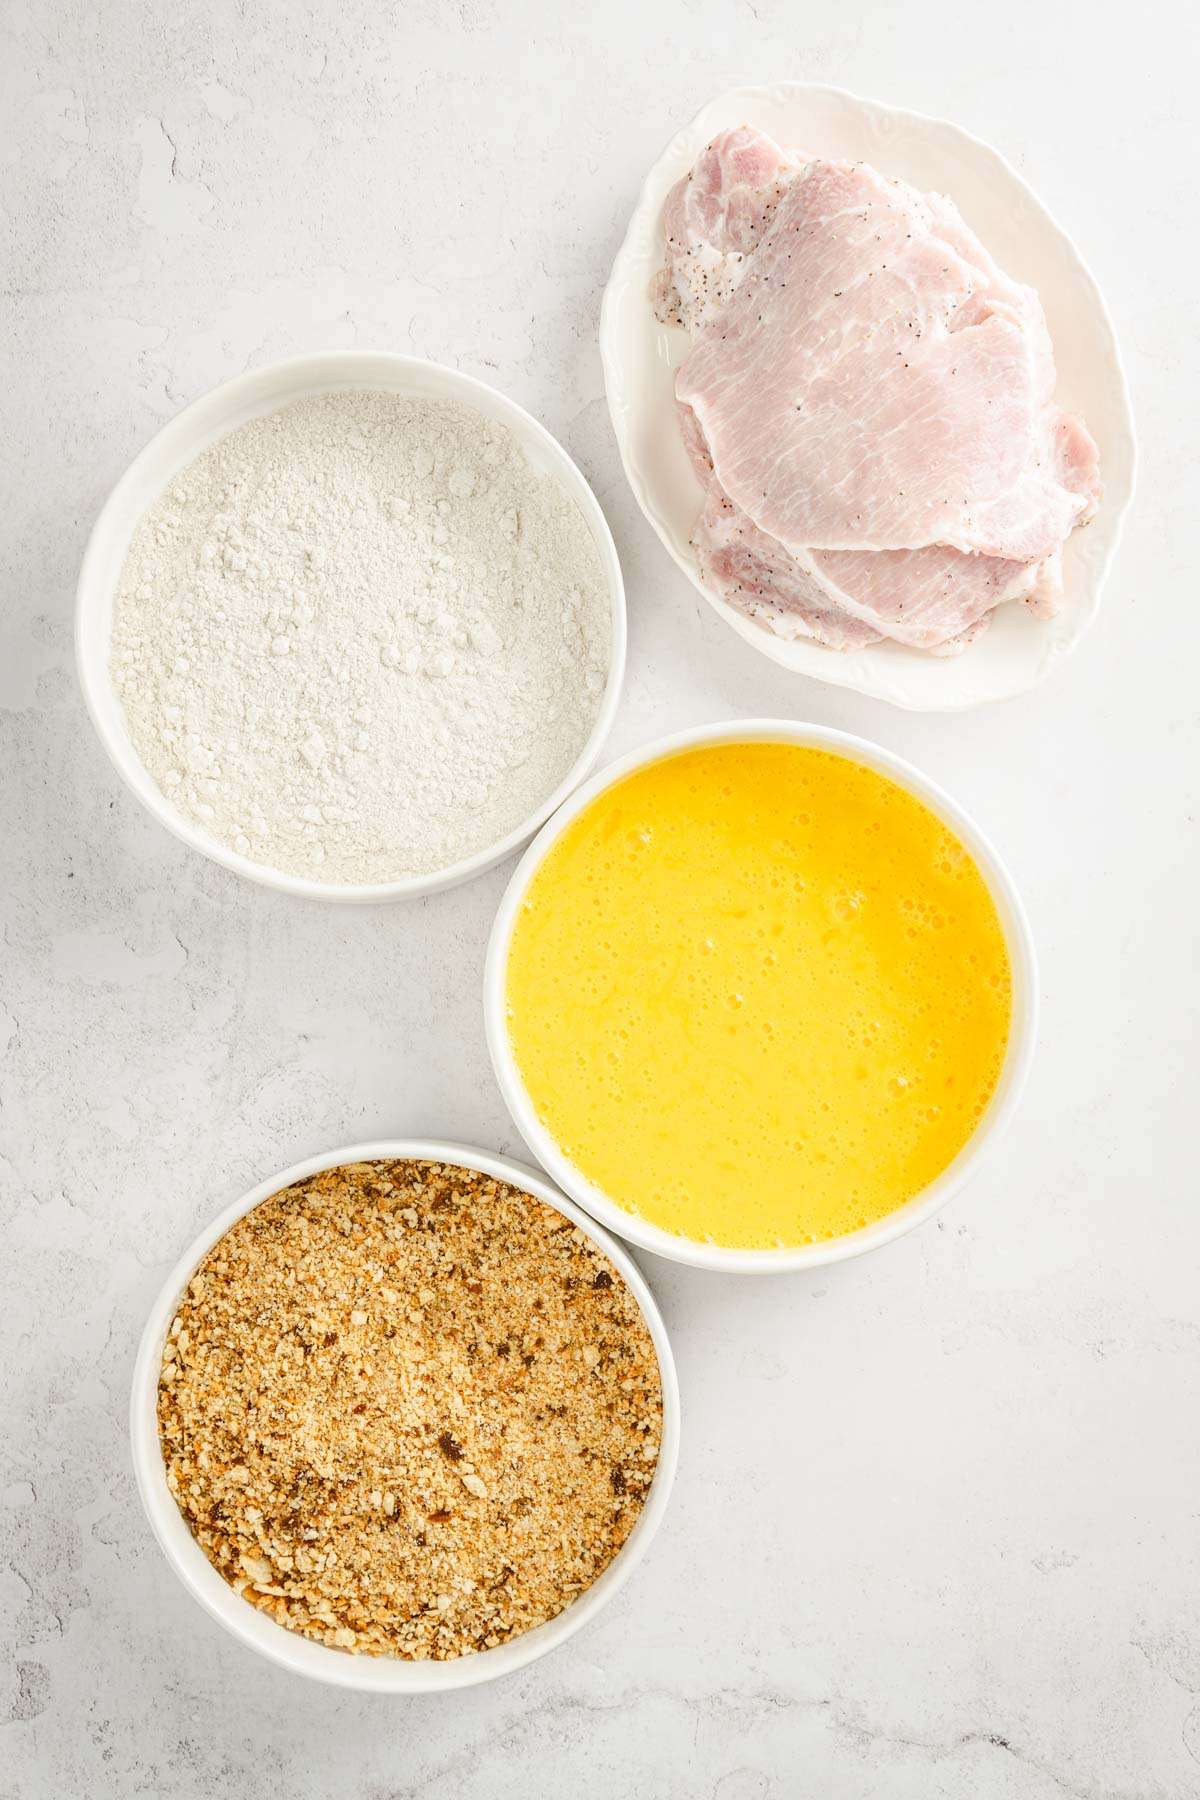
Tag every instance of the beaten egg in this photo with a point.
(758, 994)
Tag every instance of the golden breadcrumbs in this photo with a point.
(409, 1410)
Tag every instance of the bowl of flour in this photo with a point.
(352, 625)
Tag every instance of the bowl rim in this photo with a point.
(996, 1116)
(1116, 504)
(184, 436)
(289, 1649)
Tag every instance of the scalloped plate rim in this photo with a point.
(685, 143)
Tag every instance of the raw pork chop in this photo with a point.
(713, 221)
(867, 400)
(930, 598)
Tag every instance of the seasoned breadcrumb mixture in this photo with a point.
(409, 1410)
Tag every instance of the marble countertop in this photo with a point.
(936, 1530)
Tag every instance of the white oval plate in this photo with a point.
(640, 357)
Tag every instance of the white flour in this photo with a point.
(360, 638)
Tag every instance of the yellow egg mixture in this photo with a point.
(758, 994)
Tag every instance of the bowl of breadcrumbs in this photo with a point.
(404, 1418)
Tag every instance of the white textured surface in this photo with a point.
(937, 1526)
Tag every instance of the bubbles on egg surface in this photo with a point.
(775, 947)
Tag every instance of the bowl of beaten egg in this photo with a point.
(760, 996)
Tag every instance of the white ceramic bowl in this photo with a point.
(999, 1110)
(374, 1674)
(177, 444)
(640, 357)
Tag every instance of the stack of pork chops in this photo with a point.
(868, 402)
